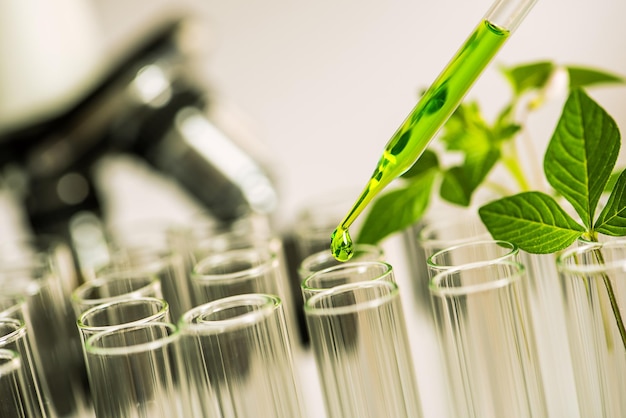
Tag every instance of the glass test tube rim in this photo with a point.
(267, 260)
(193, 321)
(14, 335)
(514, 251)
(17, 305)
(79, 293)
(577, 268)
(10, 361)
(172, 336)
(120, 301)
(454, 291)
(347, 266)
(424, 235)
(505, 14)
(325, 255)
(391, 288)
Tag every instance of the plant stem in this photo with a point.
(511, 162)
(612, 299)
(497, 188)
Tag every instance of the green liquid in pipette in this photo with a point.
(419, 128)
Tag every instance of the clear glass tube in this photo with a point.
(14, 336)
(345, 273)
(442, 233)
(14, 306)
(487, 340)
(508, 14)
(547, 311)
(236, 272)
(324, 259)
(359, 338)
(115, 286)
(132, 310)
(133, 371)
(433, 235)
(594, 286)
(471, 253)
(242, 271)
(54, 339)
(14, 396)
(148, 250)
(239, 360)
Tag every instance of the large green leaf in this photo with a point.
(612, 219)
(528, 77)
(583, 77)
(397, 209)
(533, 221)
(582, 153)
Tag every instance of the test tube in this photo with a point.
(14, 396)
(133, 371)
(485, 332)
(345, 273)
(362, 352)
(594, 288)
(239, 358)
(471, 253)
(14, 336)
(115, 286)
(131, 310)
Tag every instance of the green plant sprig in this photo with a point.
(578, 164)
(482, 146)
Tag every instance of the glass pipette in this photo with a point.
(434, 108)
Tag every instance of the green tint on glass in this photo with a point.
(426, 118)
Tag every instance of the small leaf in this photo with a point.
(533, 221)
(582, 77)
(528, 77)
(454, 188)
(396, 210)
(466, 129)
(582, 153)
(460, 182)
(427, 161)
(612, 219)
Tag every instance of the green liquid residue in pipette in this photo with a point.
(419, 128)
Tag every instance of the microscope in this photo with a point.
(153, 105)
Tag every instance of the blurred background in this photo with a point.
(316, 88)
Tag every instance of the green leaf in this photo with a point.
(582, 153)
(464, 128)
(528, 77)
(427, 161)
(612, 219)
(460, 182)
(582, 77)
(396, 210)
(533, 221)
(610, 185)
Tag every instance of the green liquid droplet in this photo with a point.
(420, 127)
(341, 245)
